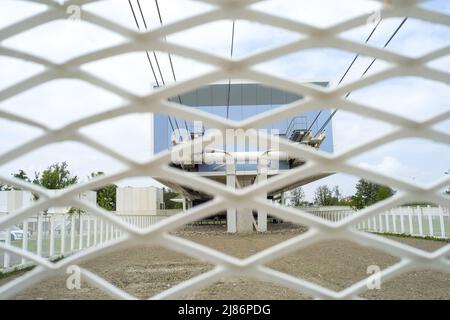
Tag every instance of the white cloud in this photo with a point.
(389, 165)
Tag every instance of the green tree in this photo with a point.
(169, 204)
(106, 195)
(298, 197)
(323, 196)
(56, 176)
(368, 193)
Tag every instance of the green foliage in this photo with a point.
(298, 197)
(56, 176)
(106, 195)
(324, 196)
(368, 193)
(21, 175)
(170, 194)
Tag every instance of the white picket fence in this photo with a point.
(57, 235)
(411, 220)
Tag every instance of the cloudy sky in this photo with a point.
(57, 103)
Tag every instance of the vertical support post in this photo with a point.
(51, 252)
(380, 222)
(231, 183)
(262, 176)
(184, 204)
(72, 233)
(25, 238)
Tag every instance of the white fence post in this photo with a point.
(72, 233)
(52, 236)
(441, 221)
(410, 220)
(419, 217)
(386, 218)
(402, 224)
(88, 239)
(25, 238)
(39, 236)
(430, 223)
(6, 256)
(101, 231)
(95, 230)
(394, 221)
(63, 234)
(80, 232)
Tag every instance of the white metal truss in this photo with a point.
(315, 98)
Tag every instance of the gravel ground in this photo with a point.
(145, 271)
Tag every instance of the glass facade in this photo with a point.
(239, 102)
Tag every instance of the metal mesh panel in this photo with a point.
(314, 98)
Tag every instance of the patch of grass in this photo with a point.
(404, 235)
(15, 271)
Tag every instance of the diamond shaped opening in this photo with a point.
(23, 10)
(405, 96)
(333, 264)
(212, 232)
(441, 64)
(322, 65)
(110, 133)
(443, 126)
(322, 13)
(15, 71)
(14, 134)
(134, 73)
(60, 102)
(235, 288)
(407, 159)
(414, 39)
(61, 40)
(249, 37)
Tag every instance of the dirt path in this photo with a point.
(145, 271)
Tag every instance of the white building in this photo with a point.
(17, 199)
(139, 200)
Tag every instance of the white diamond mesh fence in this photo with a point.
(314, 98)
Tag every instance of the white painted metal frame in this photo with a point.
(315, 98)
